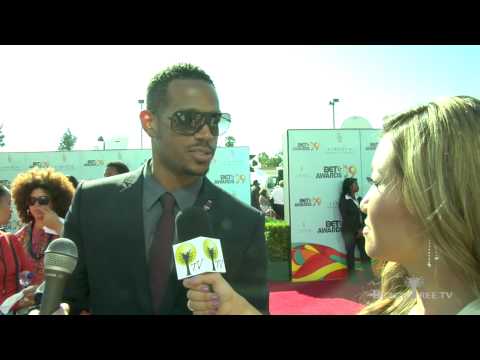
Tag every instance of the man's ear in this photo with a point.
(147, 119)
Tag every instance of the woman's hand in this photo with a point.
(222, 301)
(52, 220)
(28, 297)
(64, 309)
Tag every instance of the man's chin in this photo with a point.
(196, 171)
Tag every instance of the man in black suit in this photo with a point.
(113, 221)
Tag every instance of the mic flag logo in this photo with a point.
(198, 256)
(185, 255)
(211, 251)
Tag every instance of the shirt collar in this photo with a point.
(185, 197)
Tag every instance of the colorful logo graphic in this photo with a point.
(307, 146)
(350, 170)
(314, 201)
(185, 255)
(312, 262)
(240, 179)
(210, 250)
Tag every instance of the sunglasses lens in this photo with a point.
(42, 200)
(189, 122)
(183, 122)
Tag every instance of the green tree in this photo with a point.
(2, 136)
(270, 162)
(230, 141)
(68, 141)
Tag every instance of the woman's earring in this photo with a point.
(429, 253)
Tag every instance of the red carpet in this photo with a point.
(316, 298)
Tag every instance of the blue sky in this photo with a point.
(93, 90)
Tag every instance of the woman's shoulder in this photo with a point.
(10, 238)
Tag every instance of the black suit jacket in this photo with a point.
(112, 276)
(351, 216)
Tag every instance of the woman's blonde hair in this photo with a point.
(436, 167)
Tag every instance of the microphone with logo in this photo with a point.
(60, 260)
(191, 223)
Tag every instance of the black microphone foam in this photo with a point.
(191, 223)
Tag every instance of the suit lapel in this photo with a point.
(207, 199)
(131, 222)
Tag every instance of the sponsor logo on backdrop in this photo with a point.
(10, 168)
(94, 163)
(64, 167)
(339, 138)
(331, 226)
(314, 201)
(332, 204)
(40, 164)
(371, 146)
(302, 174)
(339, 150)
(350, 170)
(303, 229)
(230, 179)
(307, 146)
(330, 172)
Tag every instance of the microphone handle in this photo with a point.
(52, 296)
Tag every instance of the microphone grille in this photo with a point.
(61, 255)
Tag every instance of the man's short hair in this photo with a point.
(157, 89)
(119, 166)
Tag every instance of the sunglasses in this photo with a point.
(189, 122)
(42, 200)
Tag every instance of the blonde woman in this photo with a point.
(423, 217)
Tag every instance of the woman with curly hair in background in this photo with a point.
(42, 198)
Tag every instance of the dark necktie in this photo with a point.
(161, 251)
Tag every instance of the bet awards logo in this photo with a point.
(40, 164)
(330, 172)
(331, 226)
(315, 201)
(94, 163)
(350, 170)
(231, 179)
(307, 146)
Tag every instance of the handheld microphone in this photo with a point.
(192, 223)
(37, 296)
(60, 260)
